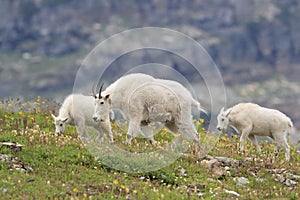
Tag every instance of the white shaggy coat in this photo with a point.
(250, 120)
(78, 109)
(168, 107)
(140, 97)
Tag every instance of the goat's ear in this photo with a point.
(65, 119)
(53, 116)
(106, 97)
(222, 110)
(228, 112)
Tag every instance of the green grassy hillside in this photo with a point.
(60, 167)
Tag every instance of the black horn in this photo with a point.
(100, 90)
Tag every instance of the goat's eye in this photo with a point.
(60, 124)
(101, 102)
(222, 120)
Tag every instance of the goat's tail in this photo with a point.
(198, 106)
(292, 129)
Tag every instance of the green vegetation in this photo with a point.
(59, 167)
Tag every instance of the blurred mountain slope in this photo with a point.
(251, 38)
(42, 42)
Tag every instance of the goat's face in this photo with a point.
(223, 119)
(102, 108)
(60, 124)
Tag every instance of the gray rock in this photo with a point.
(241, 181)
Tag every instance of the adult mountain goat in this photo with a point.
(250, 120)
(144, 99)
(77, 110)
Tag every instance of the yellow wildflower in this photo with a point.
(201, 120)
(116, 182)
(176, 134)
(75, 190)
(123, 186)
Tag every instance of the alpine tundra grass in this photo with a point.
(51, 166)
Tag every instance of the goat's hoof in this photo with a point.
(99, 139)
(153, 143)
(241, 152)
(128, 141)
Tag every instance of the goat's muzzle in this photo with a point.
(95, 119)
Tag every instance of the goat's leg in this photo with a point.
(100, 133)
(276, 146)
(172, 127)
(107, 128)
(133, 129)
(147, 131)
(245, 133)
(276, 149)
(280, 139)
(253, 139)
(81, 128)
(176, 144)
(196, 137)
(190, 132)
